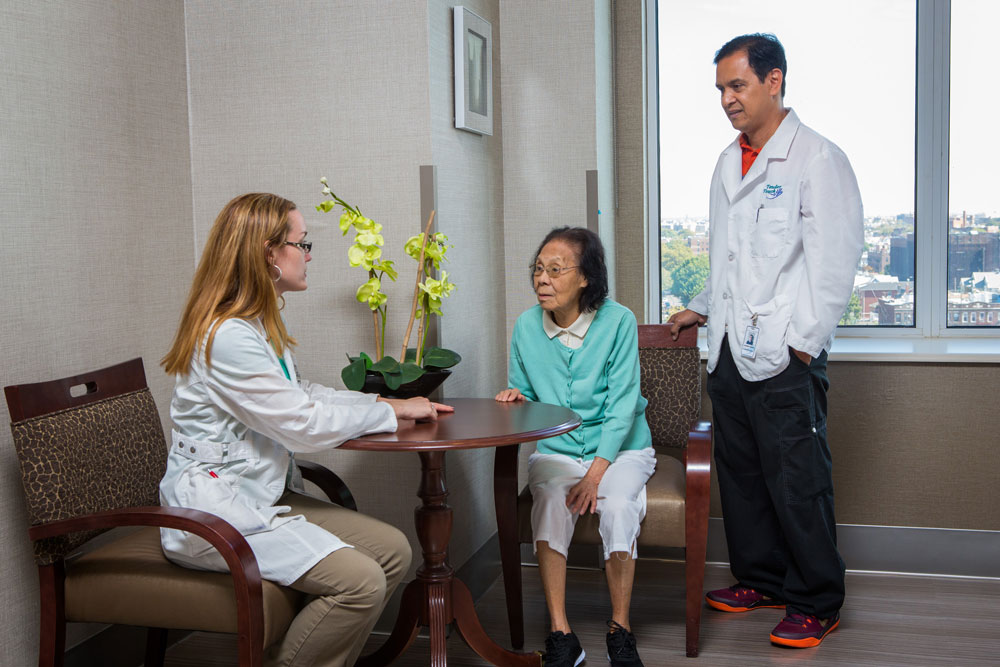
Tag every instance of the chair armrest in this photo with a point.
(698, 449)
(328, 482)
(698, 470)
(216, 531)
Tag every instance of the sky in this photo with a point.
(851, 77)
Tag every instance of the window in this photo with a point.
(932, 227)
(973, 201)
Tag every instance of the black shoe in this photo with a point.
(563, 650)
(621, 647)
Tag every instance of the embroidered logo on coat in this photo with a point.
(772, 191)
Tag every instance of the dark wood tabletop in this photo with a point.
(476, 422)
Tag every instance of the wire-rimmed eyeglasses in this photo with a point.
(553, 271)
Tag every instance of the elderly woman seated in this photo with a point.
(578, 348)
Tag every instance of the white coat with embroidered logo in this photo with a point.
(785, 241)
(237, 425)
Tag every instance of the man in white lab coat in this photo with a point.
(786, 237)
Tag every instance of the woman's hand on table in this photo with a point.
(418, 408)
(582, 498)
(510, 395)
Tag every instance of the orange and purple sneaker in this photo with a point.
(738, 598)
(803, 630)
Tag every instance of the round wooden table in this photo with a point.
(436, 599)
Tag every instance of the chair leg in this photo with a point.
(694, 574)
(505, 500)
(697, 464)
(156, 647)
(52, 633)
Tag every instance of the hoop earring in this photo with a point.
(275, 266)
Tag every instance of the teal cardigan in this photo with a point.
(599, 380)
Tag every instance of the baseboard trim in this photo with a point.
(900, 549)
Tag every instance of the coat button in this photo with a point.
(725, 295)
(192, 449)
(732, 256)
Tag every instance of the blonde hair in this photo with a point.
(233, 278)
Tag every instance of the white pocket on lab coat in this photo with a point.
(772, 318)
(197, 489)
(770, 233)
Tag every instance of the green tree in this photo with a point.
(689, 277)
(853, 313)
(673, 254)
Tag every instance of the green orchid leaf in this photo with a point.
(439, 357)
(368, 360)
(411, 354)
(386, 365)
(393, 380)
(353, 375)
(410, 372)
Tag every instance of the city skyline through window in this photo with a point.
(851, 76)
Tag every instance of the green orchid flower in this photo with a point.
(366, 252)
(371, 293)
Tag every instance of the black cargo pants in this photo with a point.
(776, 483)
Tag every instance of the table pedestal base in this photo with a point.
(435, 599)
(425, 606)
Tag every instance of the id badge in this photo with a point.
(749, 350)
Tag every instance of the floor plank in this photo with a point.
(888, 620)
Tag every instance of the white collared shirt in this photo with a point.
(571, 336)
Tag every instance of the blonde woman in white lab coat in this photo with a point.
(240, 413)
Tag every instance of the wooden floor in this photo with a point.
(888, 620)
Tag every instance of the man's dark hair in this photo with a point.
(590, 250)
(764, 52)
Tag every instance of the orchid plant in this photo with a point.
(429, 250)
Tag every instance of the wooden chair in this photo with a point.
(92, 460)
(677, 493)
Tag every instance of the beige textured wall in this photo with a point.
(96, 206)
(912, 444)
(470, 212)
(630, 117)
(305, 92)
(548, 129)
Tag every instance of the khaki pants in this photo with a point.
(351, 587)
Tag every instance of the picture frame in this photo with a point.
(473, 72)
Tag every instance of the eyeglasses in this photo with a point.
(553, 271)
(306, 246)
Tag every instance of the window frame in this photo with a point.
(930, 337)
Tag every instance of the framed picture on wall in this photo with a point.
(473, 72)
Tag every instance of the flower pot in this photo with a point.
(422, 386)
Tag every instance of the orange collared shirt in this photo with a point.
(749, 154)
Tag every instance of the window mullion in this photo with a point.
(933, 71)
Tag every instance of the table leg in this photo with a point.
(435, 598)
(505, 501)
(468, 625)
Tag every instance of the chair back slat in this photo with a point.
(99, 451)
(671, 381)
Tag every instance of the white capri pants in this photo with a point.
(622, 503)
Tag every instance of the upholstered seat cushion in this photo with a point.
(130, 581)
(664, 522)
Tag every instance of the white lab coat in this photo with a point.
(242, 419)
(785, 244)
